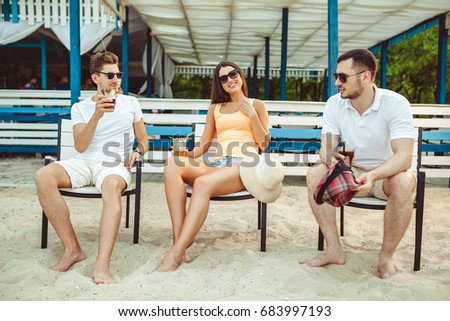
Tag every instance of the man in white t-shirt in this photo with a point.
(104, 133)
(378, 124)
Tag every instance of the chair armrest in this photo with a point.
(48, 160)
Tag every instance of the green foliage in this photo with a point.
(411, 71)
(194, 87)
(412, 67)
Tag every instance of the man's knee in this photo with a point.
(401, 185)
(113, 184)
(314, 175)
(46, 177)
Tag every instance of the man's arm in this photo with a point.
(399, 162)
(83, 133)
(329, 149)
(142, 147)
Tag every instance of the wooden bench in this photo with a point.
(29, 119)
(291, 123)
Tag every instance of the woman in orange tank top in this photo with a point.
(242, 126)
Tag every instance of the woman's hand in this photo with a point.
(246, 107)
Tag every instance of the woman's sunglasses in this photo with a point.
(111, 75)
(232, 74)
(343, 77)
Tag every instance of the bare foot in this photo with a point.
(386, 267)
(328, 256)
(67, 260)
(171, 262)
(102, 274)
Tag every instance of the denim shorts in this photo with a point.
(225, 161)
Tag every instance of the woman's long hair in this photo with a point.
(218, 94)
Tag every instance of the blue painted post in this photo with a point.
(6, 11)
(125, 58)
(442, 62)
(333, 44)
(15, 11)
(75, 57)
(267, 70)
(284, 42)
(255, 77)
(149, 64)
(384, 60)
(44, 60)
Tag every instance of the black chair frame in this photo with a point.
(136, 191)
(262, 213)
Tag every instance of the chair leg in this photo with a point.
(420, 198)
(127, 217)
(320, 242)
(44, 232)
(259, 215)
(263, 226)
(342, 220)
(137, 204)
(137, 216)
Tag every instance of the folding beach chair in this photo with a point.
(66, 150)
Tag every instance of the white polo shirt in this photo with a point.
(114, 135)
(388, 118)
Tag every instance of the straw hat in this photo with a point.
(262, 177)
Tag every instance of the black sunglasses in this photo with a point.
(343, 77)
(111, 75)
(232, 74)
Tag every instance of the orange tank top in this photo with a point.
(234, 134)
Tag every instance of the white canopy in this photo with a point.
(203, 32)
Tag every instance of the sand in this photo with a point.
(226, 263)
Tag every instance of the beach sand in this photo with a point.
(226, 263)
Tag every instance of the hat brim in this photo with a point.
(255, 188)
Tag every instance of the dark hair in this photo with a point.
(218, 94)
(363, 59)
(102, 58)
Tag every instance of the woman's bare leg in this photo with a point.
(179, 171)
(215, 182)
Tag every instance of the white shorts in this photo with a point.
(84, 172)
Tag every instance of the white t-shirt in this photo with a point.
(114, 135)
(371, 134)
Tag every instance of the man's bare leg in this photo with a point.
(48, 179)
(397, 216)
(112, 188)
(326, 217)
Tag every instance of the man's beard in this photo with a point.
(355, 94)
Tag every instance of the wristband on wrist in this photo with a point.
(138, 151)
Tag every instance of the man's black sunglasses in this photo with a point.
(111, 75)
(343, 77)
(232, 74)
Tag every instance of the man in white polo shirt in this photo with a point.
(378, 124)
